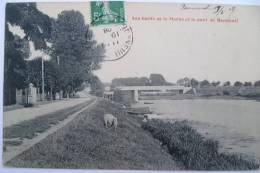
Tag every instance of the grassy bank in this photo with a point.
(86, 143)
(188, 146)
(30, 128)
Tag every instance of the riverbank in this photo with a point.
(229, 140)
(86, 143)
(193, 150)
(233, 123)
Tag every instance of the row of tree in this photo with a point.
(73, 51)
(158, 79)
(153, 80)
(195, 83)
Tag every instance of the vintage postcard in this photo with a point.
(131, 86)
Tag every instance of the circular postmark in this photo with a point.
(117, 40)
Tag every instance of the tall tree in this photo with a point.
(227, 83)
(204, 83)
(14, 67)
(34, 72)
(215, 83)
(51, 74)
(78, 53)
(194, 83)
(248, 84)
(238, 84)
(97, 87)
(257, 83)
(37, 27)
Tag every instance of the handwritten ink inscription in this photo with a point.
(215, 9)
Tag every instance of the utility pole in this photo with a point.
(58, 60)
(60, 91)
(43, 94)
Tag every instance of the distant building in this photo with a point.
(107, 88)
(108, 95)
(27, 95)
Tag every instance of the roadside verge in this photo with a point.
(33, 131)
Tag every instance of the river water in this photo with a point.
(234, 123)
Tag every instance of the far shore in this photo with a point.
(197, 96)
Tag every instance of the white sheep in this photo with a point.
(110, 121)
(145, 118)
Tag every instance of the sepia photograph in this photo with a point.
(120, 85)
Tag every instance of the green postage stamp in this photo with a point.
(107, 12)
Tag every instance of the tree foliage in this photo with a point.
(97, 87)
(14, 67)
(37, 27)
(194, 83)
(78, 53)
(238, 84)
(51, 75)
(248, 84)
(227, 83)
(204, 83)
(257, 83)
(74, 52)
(215, 83)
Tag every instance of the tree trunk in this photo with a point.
(51, 94)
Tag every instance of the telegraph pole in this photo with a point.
(58, 60)
(43, 93)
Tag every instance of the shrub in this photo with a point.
(186, 145)
(253, 95)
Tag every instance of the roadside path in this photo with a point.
(19, 115)
(13, 151)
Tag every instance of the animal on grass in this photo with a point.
(145, 118)
(110, 120)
